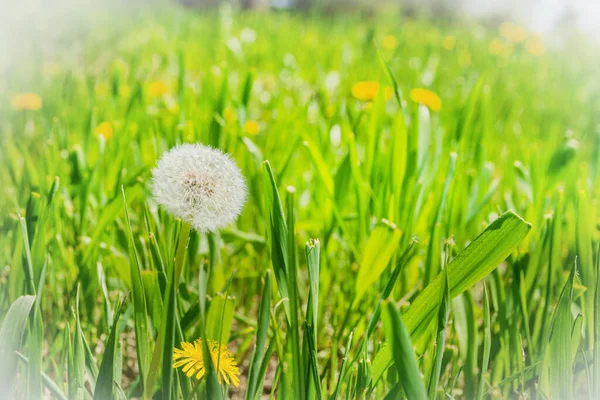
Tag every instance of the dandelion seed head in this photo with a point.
(200, 185)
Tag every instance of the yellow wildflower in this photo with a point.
(51, 68)
(157, 89)
(368, 90)
(26, 101)
(513, 32)
(124, 90)
(535, 46)
(497, 47)
(390, 42)
(449, 42)
(330, 111)
(191, 358)
(229, 115)
(251, 127)
(101, 89)
(427, 98)
(464, 58)
(105, 130)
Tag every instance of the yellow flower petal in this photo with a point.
(105, 130)
(427, 98)
(157, 89)
(191, 358)
(513, 32)
(251, 127)
(535, 46)
(366, 90)
(26, 101)
(449, 42)
(390, 42)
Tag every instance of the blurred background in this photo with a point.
(30, 24)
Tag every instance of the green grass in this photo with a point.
(386, 250)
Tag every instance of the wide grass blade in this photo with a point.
(477, 260)
(278, 235)
(560, 357)
(11, 334)
(398, 338)
(376, 256)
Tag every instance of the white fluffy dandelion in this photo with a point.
(199, 184)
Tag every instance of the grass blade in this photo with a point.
(104, 384)
(11, 334)
(477, 260)
(398, 338)
(261, 337)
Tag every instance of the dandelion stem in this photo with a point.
(184, 238)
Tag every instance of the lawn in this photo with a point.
(419, 210)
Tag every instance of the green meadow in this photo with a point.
(421, 216)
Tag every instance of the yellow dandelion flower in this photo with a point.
(449, 42)
(251, 127)
(427, 98)
(191, 358)
(366, 90)
(51, 68)
(26, 101)
(330, 111)
(497, 47)
(390, 42)
(157, 88)
(105, 130)
(513, 32)
(229, 115)
(101, 89)
(124, 90)
(464, 58)
(535, 46)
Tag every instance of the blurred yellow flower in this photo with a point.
(513, 32)
(497, 47)
(251, 127)
(51, 68)
(101, 89)
(191, 358)
(330, 110)
(368, 90)
(535, 46)
(26, 101)
(390, 42)
(157, 89)
(449, 42)
(124, 90)
(229, 115)
(105, 130)
(427, 98)
(464, 58)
